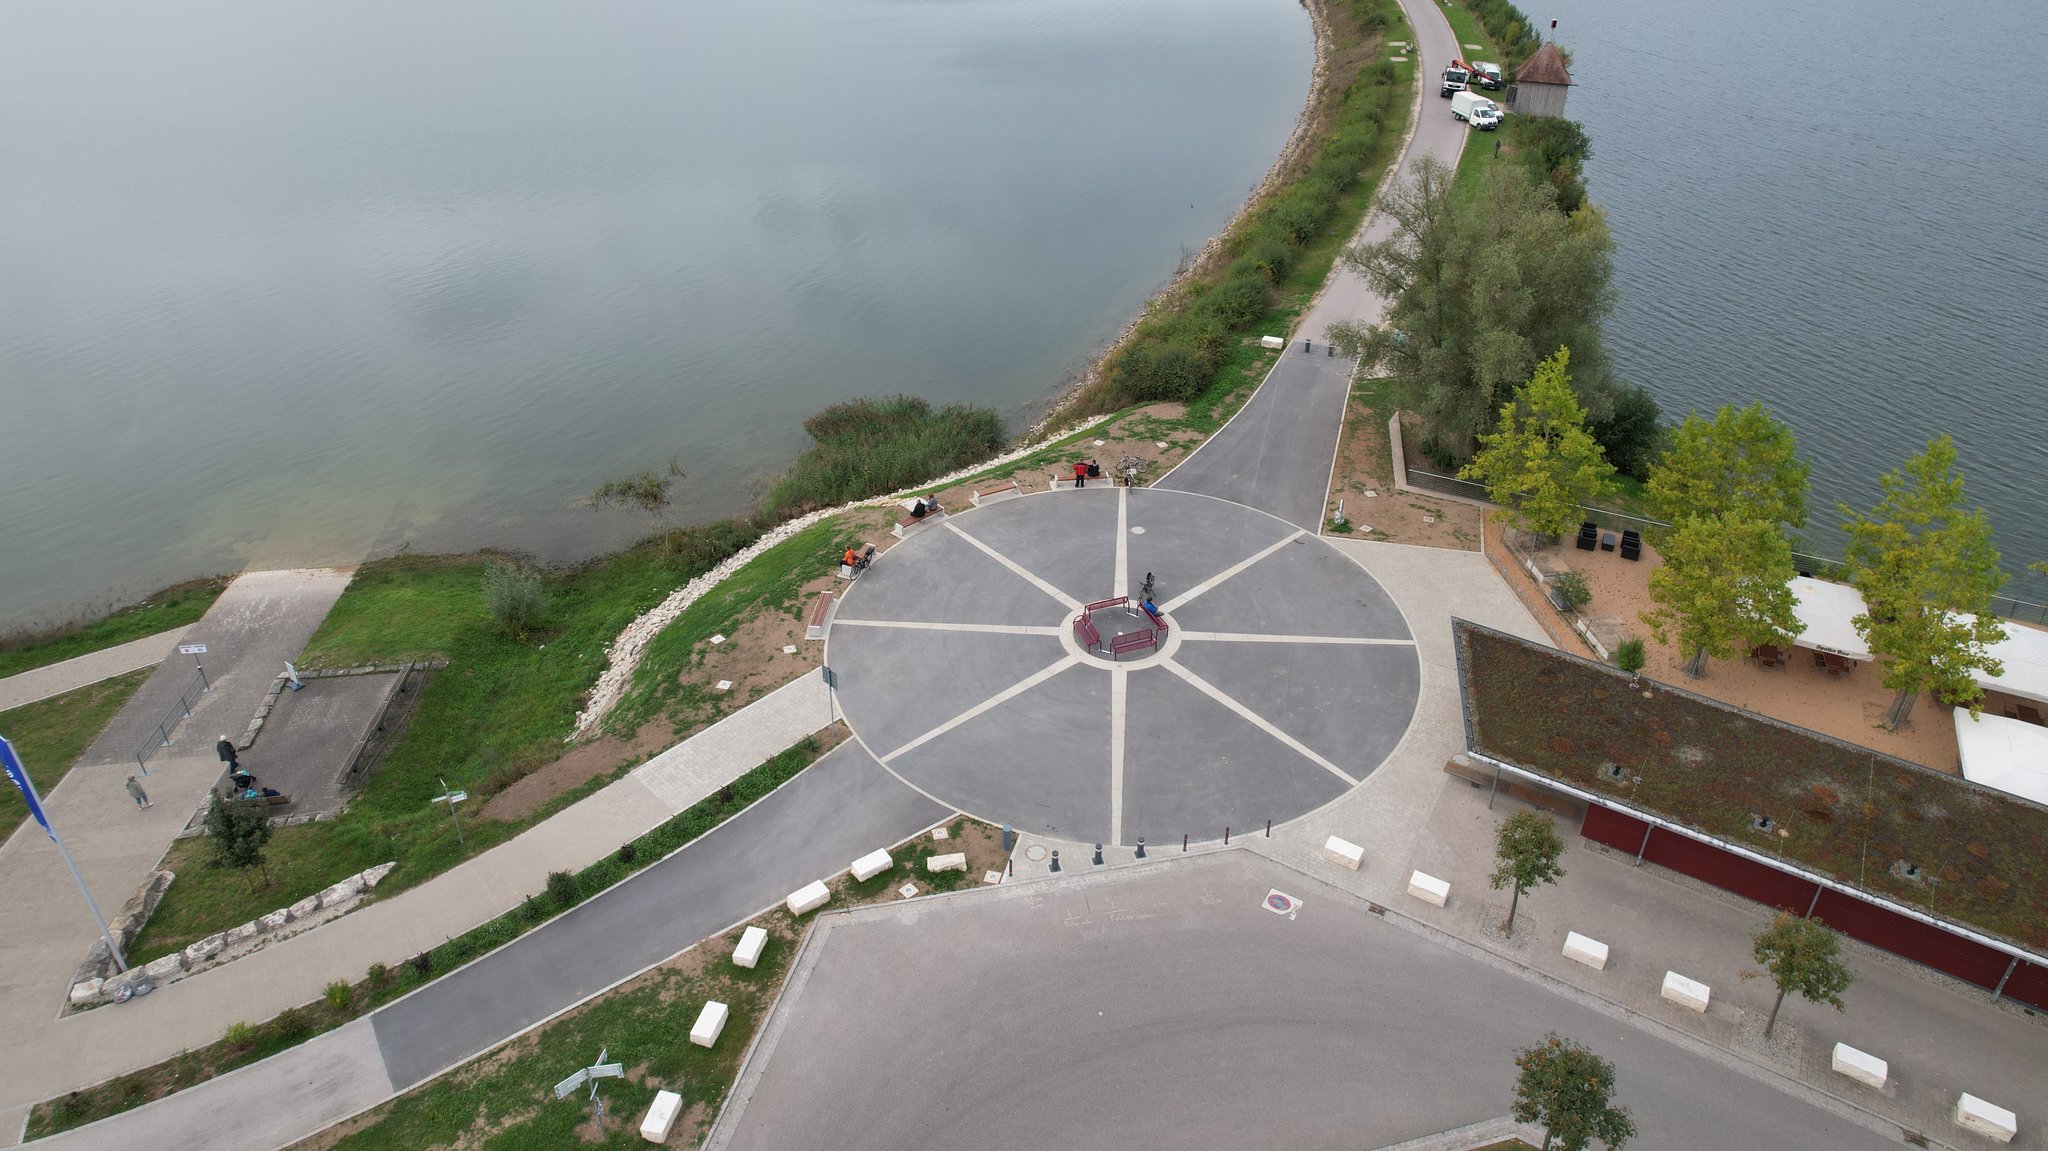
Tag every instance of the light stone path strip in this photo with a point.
(83, 671)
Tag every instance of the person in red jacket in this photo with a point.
(1080, 473)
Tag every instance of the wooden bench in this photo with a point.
(999, 492)
(278, 800)
(819, 616)
(910, 523)
(1544, 798)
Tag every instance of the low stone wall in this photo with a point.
(96, 984)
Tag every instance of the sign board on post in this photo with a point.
(191, 649)
(18, 775)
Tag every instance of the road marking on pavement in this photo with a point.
(1122, 583)
(987, 628)
(1071, 603)
(1182, 599)
(1249, 637)
(1255, 719)
(996, 700)
(1119, 681)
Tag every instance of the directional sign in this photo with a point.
(191, 649)
(451, 797)
(18, 775)
(831, 677)
(607, 1070)
(570, 1084)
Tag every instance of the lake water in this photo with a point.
(1830, 208)
(293, 283)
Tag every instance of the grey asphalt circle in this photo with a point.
(1287, 677)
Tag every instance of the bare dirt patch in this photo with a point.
(1363, 483)
(602, 757)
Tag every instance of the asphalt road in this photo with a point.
(1275, 454)
(1169, 1008)
(839, 809)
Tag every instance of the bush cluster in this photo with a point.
(1511, 31)
(870, 447)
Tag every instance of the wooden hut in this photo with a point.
(1540, 84)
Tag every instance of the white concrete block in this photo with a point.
(872, 864)
(661, 1116)
(809, 897)
(1590, 952)
(277, 919)
(1986, 1119)
(162, 969)
(710, 1022)
(1429, 889)
(752, 941)
(244, 933)
(1272, 341)
(1344, 853)
(302, 908)
(954, 862)
(86, 992)
(205, 949)
(341, 892)
(375, 875)
(1686, 992)
(1861, 1066)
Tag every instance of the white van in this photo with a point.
(1476, 110)
(1487, 75)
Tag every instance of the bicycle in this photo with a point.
(1128, 466)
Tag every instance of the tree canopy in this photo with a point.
(1569, 1090)
(1725, 586)
(1742, 462)
(1927, 570)
(236, 833)
(1526, 850)
(1480, 292)
(1541, 464)
(1801, 957)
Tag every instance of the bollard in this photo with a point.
(1055, 863)
(1269, 829)
(1098, 855)
(1010, 866)
(1226, 837)
(1141, 847)
(1306, 347)
(1009, 838)
(1183, 843)
(1330, 350)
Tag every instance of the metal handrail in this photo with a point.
(182, 709)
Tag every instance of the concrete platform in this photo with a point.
(1287, 675)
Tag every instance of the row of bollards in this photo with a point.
(1097, 859)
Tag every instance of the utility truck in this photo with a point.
(1475, 110)
(1486, 75)
(1456, 79)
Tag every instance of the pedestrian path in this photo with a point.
(85, 670)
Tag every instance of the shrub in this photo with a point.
(628, 852)
(514, 597)
(379, 975)
(533, 909)
(423, 963)
(1631, 433)
(1237, 302)
(239, 1035)
(292, 1024)
(339, 995)
(562, 887)
(1629, 655)
(870, 447)
(1570, 586)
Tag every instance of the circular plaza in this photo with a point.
(1003, 662)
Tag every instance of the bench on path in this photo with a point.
(1463, 767)
(991, 495)
(820, 615)
(910, 523)
(1134, 641)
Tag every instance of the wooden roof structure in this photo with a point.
(1545, 66)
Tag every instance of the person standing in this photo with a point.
(1080, 473)
(136, 793)
(226, 749)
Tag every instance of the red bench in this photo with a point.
(1133, 641)
(1086, 631)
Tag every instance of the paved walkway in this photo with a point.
(88, 669)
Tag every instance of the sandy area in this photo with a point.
(1364, 483)
(1849, 707)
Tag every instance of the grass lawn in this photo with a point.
(50, 734)
(500, 709)
(172, 607)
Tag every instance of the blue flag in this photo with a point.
(19, 775)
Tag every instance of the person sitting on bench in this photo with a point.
(918, 510)
(851, 558)
(265, 793)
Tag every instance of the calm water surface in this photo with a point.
(292, 283)
(1817, 206)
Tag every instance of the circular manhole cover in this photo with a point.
(1035, 853)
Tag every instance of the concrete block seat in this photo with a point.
(1861, 1066)
(752, 941)
(710, 1024)
(1686, 992)
(661, 1116)
(1986, 1119)
(1429, 889)
(1586, 950)
(809, 897)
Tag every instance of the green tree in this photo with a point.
(1742, 462)
(1801, 957)
(514, 597)
(1526, 851)
(1570, 1091)
(1927, 570)
(651, 491)
(236, 832)
(1542, 464)
(1630, 657)
(1725, 586)
(1480, 292)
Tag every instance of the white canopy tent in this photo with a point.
(2007, 754)
(2024, 651)
(1826, 609)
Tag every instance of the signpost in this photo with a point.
(195, 650)
(590, 1075)
(451, 798)
(831, 681)
(19, 776)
